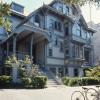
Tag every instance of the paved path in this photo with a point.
(51, 93)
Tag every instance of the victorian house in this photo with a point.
(56, 36)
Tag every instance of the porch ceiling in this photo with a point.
(26, 30)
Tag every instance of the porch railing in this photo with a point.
(19, 55)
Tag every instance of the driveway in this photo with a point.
(51, 93)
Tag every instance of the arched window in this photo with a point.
(37, 19)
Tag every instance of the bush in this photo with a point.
(26, 82)
(65, 80)
(35, 82)
(39, 81)
(81, 81)
(5, 81)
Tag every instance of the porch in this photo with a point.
(26, 40)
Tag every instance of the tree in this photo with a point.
(4, 16)
(93, 72)
(82, 2)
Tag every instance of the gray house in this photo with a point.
(56, 37)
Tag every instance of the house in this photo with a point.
(56, 36)
(96, 41)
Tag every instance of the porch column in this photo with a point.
(7, 48)
(31, 47)
(83, 53)
(14, 45)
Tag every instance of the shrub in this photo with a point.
(65, 80)
(39, 81)
(5, 81)
(81, 81)
(26, 82)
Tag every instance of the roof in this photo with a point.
(18, 14)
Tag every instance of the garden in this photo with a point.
(92, 77)
(24, 74)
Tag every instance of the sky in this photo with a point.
(31, 5)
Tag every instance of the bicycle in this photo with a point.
(93, 94)
(78, 95)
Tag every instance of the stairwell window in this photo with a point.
(50, 52)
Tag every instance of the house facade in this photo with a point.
(56, 37)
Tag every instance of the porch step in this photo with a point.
(52, 82)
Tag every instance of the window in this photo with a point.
(88, 35)
(60, 8)
(67, 10)
(51, 24)
(84, 34)
(76, 73)
(37, 20)
(67, 51)
(66, 71)
(57, 25)
(66, 31)
(61, 47)
(77, 51)
(56, 41)
(73, 50)
(78, 30)
(50, 52)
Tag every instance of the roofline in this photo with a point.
(17, 4)
(17, 13)
(92, 30)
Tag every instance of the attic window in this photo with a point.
(37, 20)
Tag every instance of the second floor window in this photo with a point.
(78, 30)
(56, 41)
(57, 25)
(67, 10)
(50, 52)
(61, 47)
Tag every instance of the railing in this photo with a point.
(19, 55)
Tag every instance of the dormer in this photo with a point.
(61, 7)
(17, 7)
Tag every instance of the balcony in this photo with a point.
(78, 39)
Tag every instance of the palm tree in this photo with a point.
(4, 15)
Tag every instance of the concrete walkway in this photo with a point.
(52, 93)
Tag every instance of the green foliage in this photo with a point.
(82, 2)
(27, 60)
(81, 81)
(30, 72)
(10, 61)
(26, 82)
(4, 16)
(35, 82)
(93, 72)
(39, 82)
(5, 81)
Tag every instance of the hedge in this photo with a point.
(35, 82)
(81, 81)
(5, 81)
